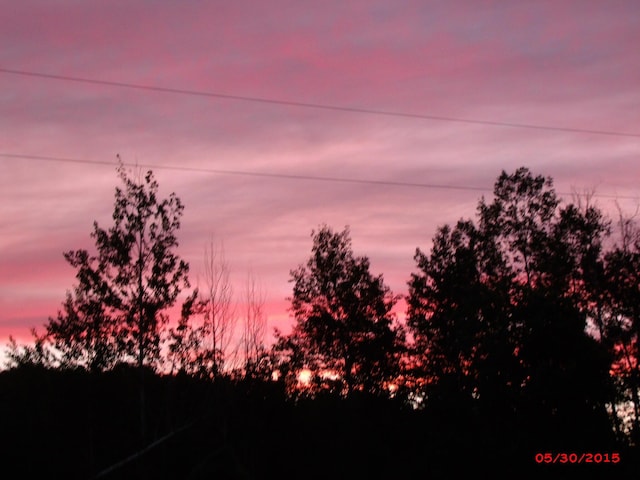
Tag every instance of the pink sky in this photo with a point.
(569, 64)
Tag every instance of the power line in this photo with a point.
(313, 105)
(284, 176)
(248, 173)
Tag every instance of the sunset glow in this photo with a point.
(304, 377)
(344, 238)
(567, 67)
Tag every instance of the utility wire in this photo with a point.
(285, 176)
(248, 173)
(312, 105)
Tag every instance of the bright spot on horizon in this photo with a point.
(304, 377)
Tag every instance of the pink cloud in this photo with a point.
(567, 64)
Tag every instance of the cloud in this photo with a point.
(567, 65)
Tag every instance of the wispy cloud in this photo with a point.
(557, 64)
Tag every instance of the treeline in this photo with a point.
(523, 319)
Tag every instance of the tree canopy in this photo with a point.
(345, 332)
(527, 311)
(499, 311)
(118, 307)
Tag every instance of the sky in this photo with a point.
(412, 97)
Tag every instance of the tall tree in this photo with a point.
(497, 308)
(118, 309)
(135, 275)
(620, 322)
(456, 313)
(345, 332)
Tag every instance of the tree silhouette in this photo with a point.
(37, 355)
(216, 305)
(456, 315)
(345, 333)
(619, 320)
(498, 310)
(118, 309)
(85, 332)
(254, 328)
(186, 350)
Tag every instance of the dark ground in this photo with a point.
(68, 425)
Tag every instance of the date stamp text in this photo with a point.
(573, 457)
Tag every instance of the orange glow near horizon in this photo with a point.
(304, 377)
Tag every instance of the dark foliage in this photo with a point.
(116, 310)
(525, 341)
(345, 333)
(73, 424)
(499, 310)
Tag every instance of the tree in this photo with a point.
(118, 309)
(85, 332)
(456, 313)
(37, 355)
(216, 305)
(620, 320)
(499, 310)
(345, 332)
(186, 352)
(254, 328)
